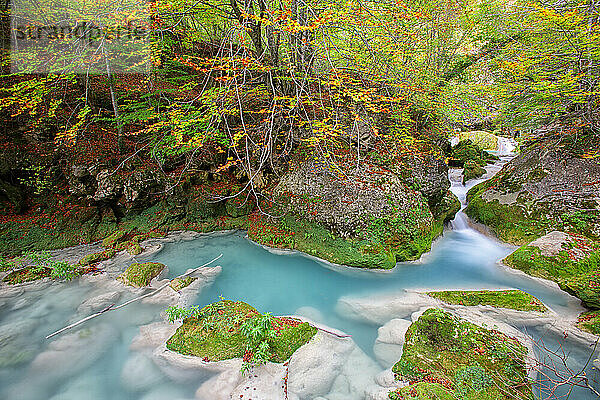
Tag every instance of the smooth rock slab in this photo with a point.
(265, 382)
(98, 303)
(219, 387)
(153, 335)
(314, 367)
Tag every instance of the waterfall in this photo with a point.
(506, 146)
(460, 221)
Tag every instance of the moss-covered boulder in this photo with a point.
(482, 139)
(590, 322)
(572, 261)
(27, 274)
(96, 257)
(466, 151)
(140, 274)
(455, 358)
(551, 185)
(180, 283)
(214, 333)
(115, 238)
(512, 299)
(365, 217)
(472, 171)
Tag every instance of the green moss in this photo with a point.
(312, 238)
(214, 333)
(179, 283)
(589, 322)
(513, 299)
(27, 274)
(140, 274)
(96, 257)
(508, 222)
(472, 171)
(445, 209)
(586, 287)
(400, 236)
(422, 391)
(482, 139)
(115, 238)
(470, 361)
(466, 151)
(578, 276)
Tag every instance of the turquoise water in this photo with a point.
(277, 283)
(282, 283)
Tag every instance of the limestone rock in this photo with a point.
(219, 387)
(314, 366)
(98, 303)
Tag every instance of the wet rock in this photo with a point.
(357, 374)
(153, 335)
(98, 303)
(381, 309)
(14, 329)
(393, 331)
(10, 291)
(264, 382)
(182, 368)
(220, 387)
(83, 387)
(164, 392)
(314, 367)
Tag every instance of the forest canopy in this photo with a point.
(244, 83)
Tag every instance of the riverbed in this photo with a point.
(96, 362)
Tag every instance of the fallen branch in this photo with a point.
(112, 308)
(333, 333)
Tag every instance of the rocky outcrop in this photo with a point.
(368, 215)
(568, 259)
(107, 186)
(346, 202)
(547, 187)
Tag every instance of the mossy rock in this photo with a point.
(512, 299)
(115, 238)
(27, 274)
(96, 257)
(214, 334)
(466, 151)
(446, 208)
(134, 248)
(383, 243)
(140, 274)
(422, 391)
(589, 322)
(482, 139)
(179, 283)
(472, 171)
(466, 360)
(578, 275)
(586, 287)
